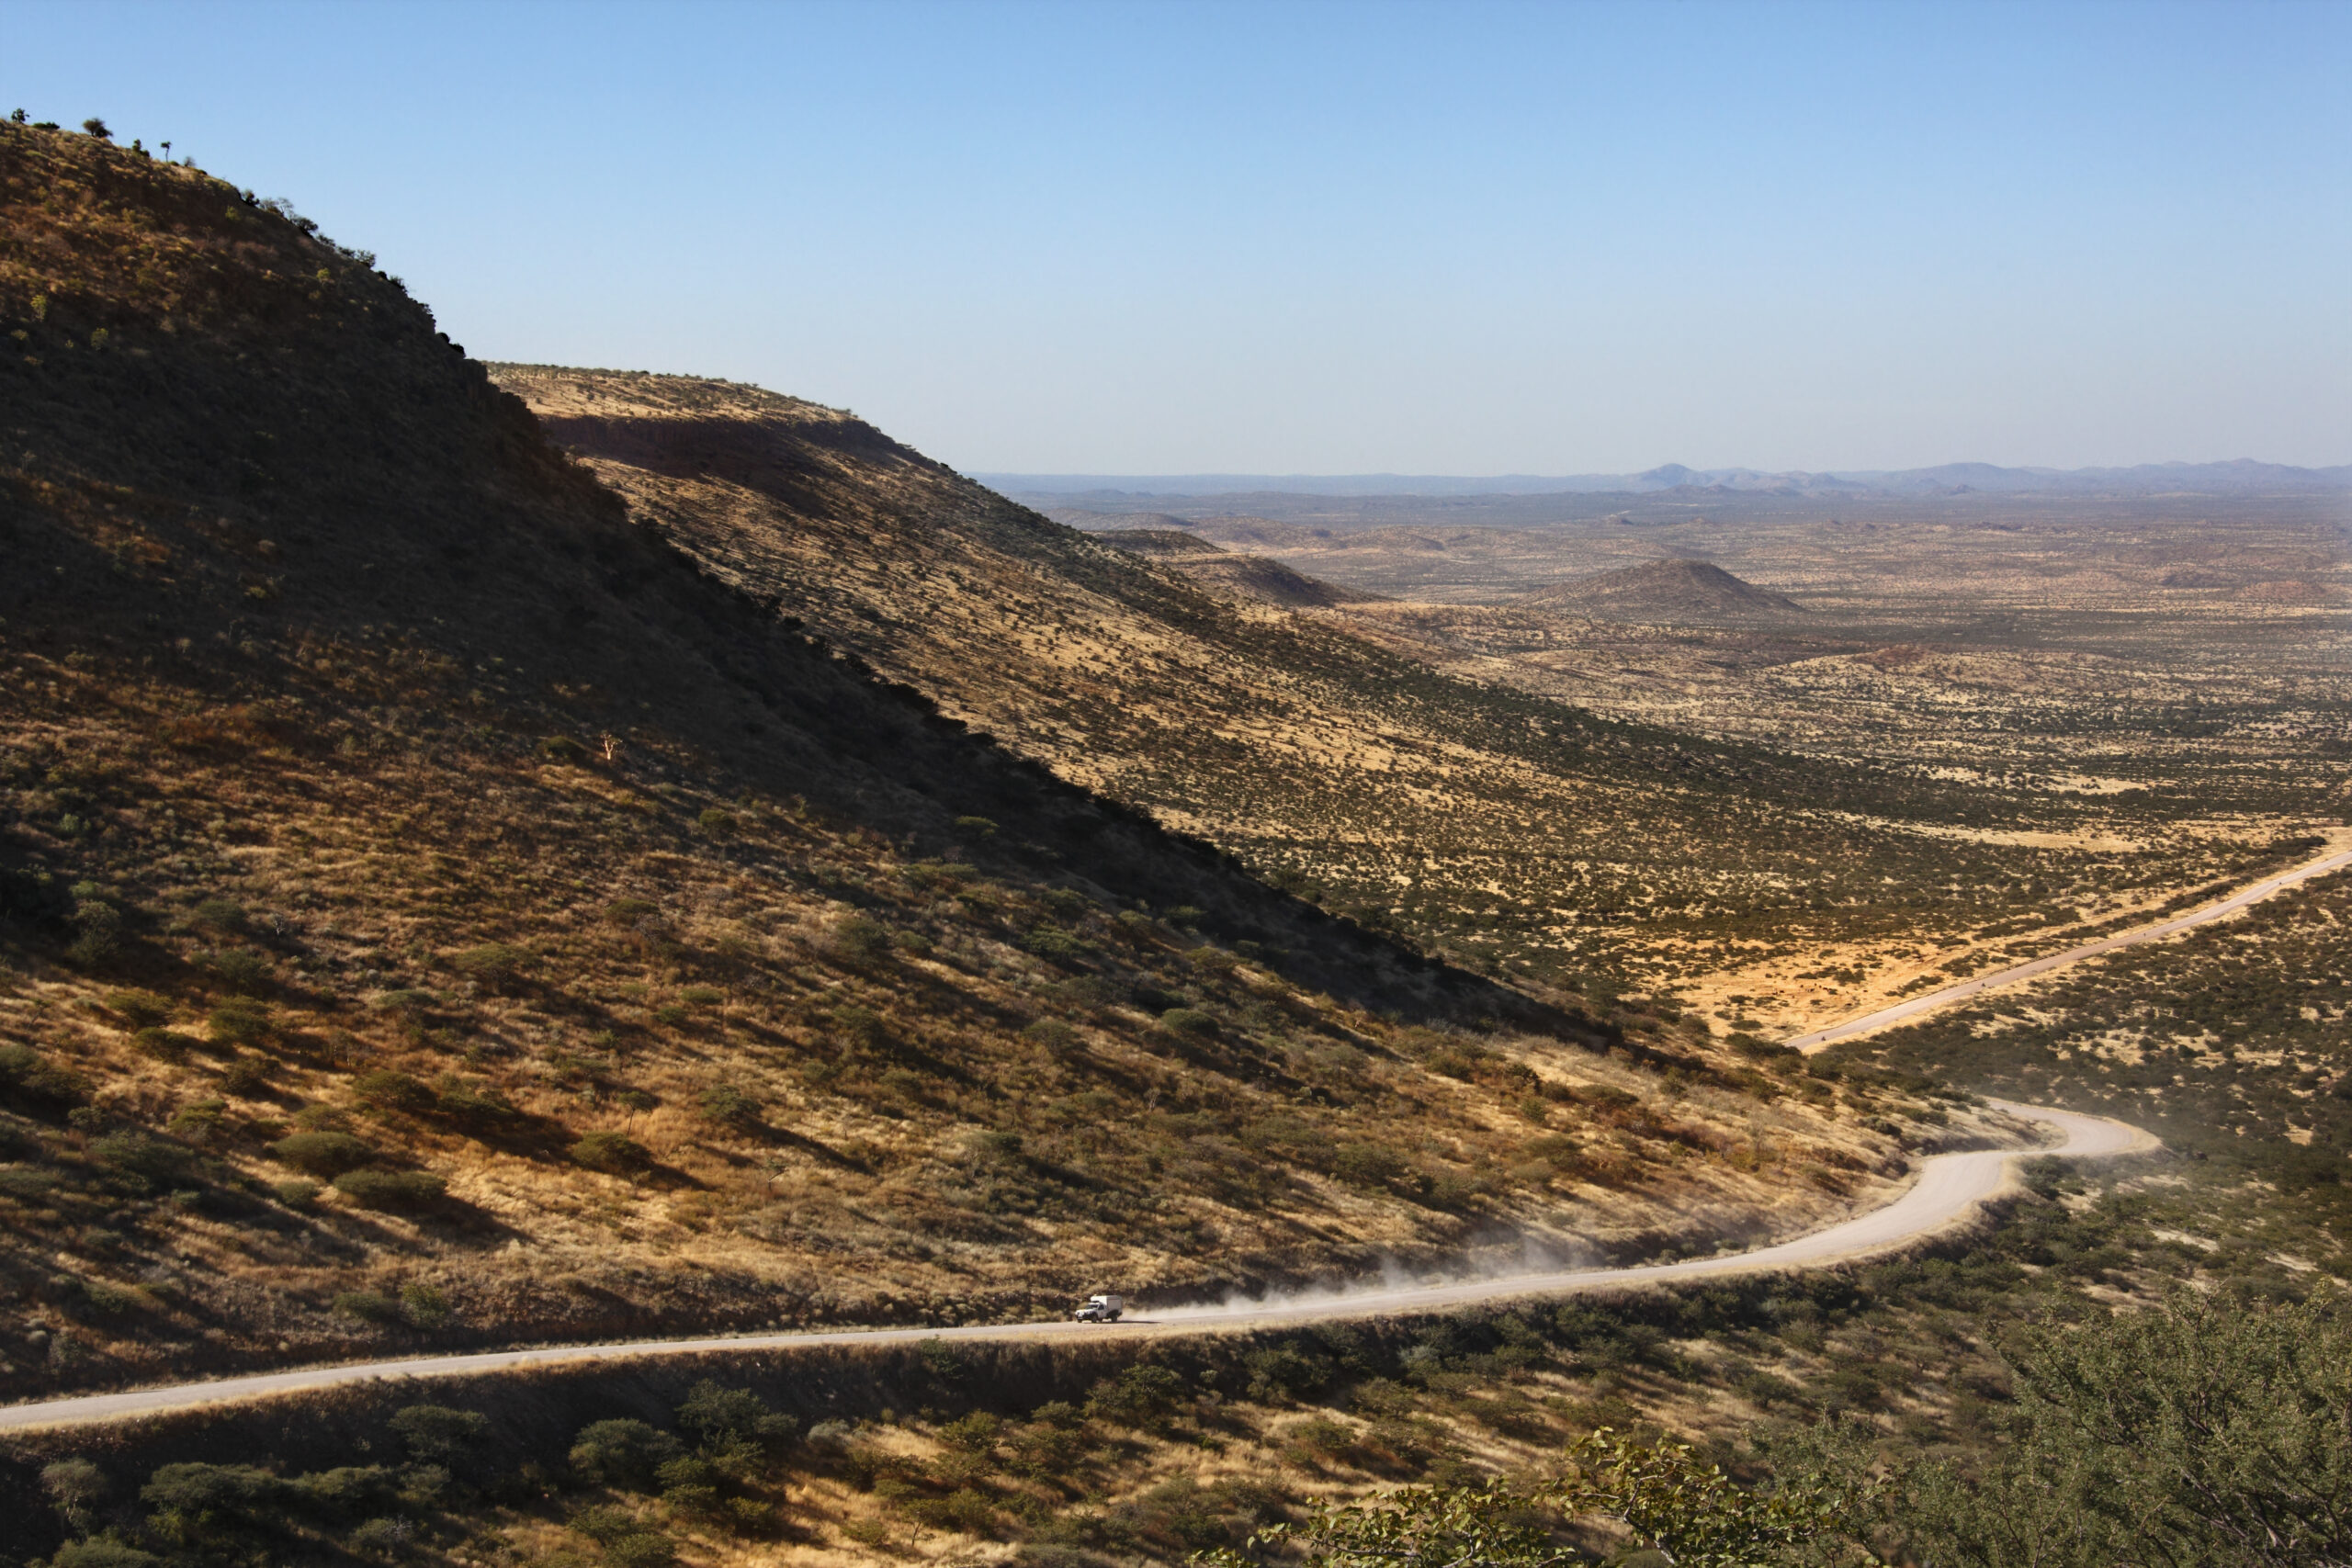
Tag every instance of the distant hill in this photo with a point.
(2239, 477)
(1666, 589)
(1161, 543)
(1237, 576)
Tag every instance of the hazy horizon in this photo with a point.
(1458, 240)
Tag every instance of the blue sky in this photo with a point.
(1331, 238)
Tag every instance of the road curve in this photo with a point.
(1949, 1188)
(2255, 893)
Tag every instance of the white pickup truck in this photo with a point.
(1101, 1309)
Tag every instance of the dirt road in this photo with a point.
(1949, 1188)
(2255, 894)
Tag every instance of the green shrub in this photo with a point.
(648, 1549)
(76, 1487)
(628, 913)
(975, 1433)
(347, 1491)
(322, 1153)
(1054, 1035)
(368, 1306)
(247, 1078)
(1366, 1165)
(141, 1010)
(702, 995)
(1059, 946)
(713, 1415)
(615, 1153)
(296, 1191)
(862, 1027)
(386, 1538)
(389, 1090)
(241, 969)
(190, 1499)
(494, 963)
(859, 938)
(26, 1074)
(238, 1022)
(1189, 1023)
(622, 1453)
(391, 1189)
(223, 917)
(717, 824)
(563, 749)
(424, 1305)
(162, 1045)
(141, 1155)
(977, 827)
(1143, 1395)
(437, 1434)
(198, 1120)
(102, 1552)
(726, 1103)
(97, 928)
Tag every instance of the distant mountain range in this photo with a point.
(2243, 476)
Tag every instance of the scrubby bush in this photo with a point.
(424, 1305)
(438, 1434)
(241, 969)
(616, 1153)
(1366, 1165)
(622, 1453)
(188, 1502)
(162, 1045)
(296, 1193)
(717, 824)
(238, 1022)
(730, 1106)
(1054, 1035)
(103, 1552)
(1143, 1395)
(861, 1028)
(141, 1155)
(392, 1091)
(563, 749)
(391, 1189)
(322, 1153)
(27, 1075)
(368, 1306)
(1058, 945)
(493, 964)
(858, 939)
(76, 1488)
(141, 1010)
(1189, 1023)
(223, 917)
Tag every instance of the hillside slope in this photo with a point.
(434, 910)
(1511, 832)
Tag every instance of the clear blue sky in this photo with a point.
(1331, 238)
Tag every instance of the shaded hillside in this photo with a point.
(1484, 822)
(1664, 590)
(436, 910)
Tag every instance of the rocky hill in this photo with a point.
(1665, 591)
(1231, 574)
(446, 900)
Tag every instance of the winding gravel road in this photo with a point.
(2252, 893)
(1949, 1188)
